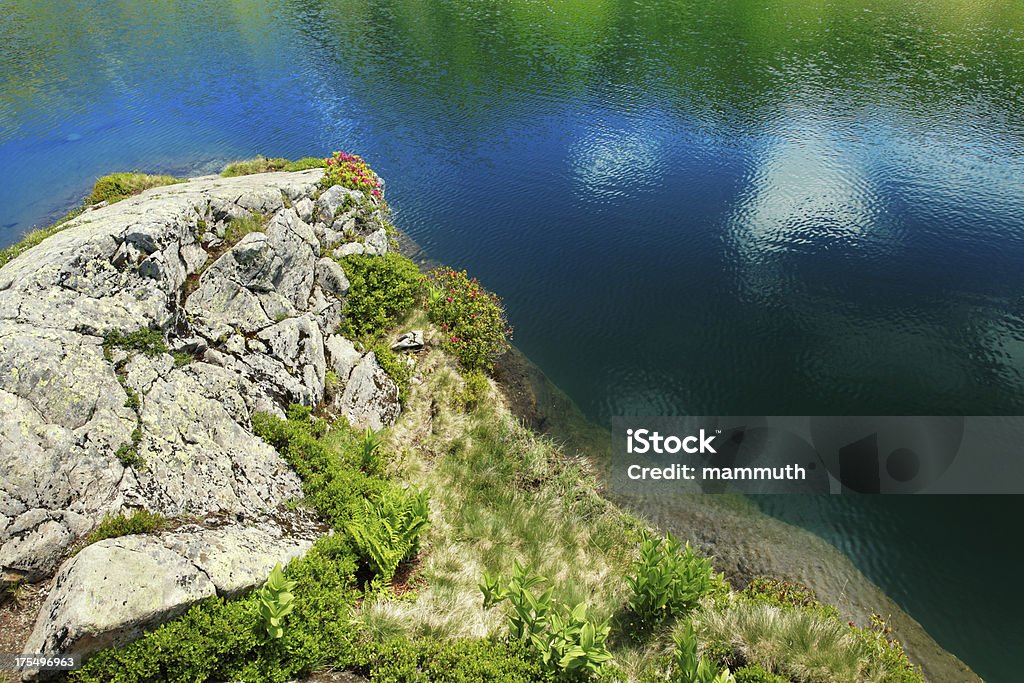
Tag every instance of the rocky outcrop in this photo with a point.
(235, 277)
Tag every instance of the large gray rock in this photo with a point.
(335, 198)
(370, 398)
(342, 356)
(112, 590)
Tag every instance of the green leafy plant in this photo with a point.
(369, 452)
(668, 579)
(382, 289)
(689, 667)
(276, 602)
(473, 323)
(565, 640)
(390, 529)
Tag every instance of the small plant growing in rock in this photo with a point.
(349, 170)
(276, 602)
(139, 522)
(128, 453)
(240, 227)
(473, 323)
(144, 340)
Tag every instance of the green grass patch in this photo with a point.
(139, 522)
(802, 645)
(144, 340)
(117, 186)
(266, 165)
(239, 227)
(34, 237)
(110, 188)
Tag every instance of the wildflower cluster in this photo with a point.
(349, 170)
(472, 320)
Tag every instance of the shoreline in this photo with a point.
(744, 542)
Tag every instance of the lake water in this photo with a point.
(753, 207)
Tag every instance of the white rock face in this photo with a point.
(257, 320)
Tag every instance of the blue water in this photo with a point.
(791, 206)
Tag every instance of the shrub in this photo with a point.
(144, 340)
(565, 640)
(668, 579)
(472, 320)
(382, 289)
(139, 522)
(349, 170)
(782, 593)
(224, 640)
(117, 186)
(460, 661)
(332, 482)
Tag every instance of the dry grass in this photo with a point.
(499, 494)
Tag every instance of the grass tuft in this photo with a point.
(114, 526)
(262, 164)
(240, 227)
(117, 186)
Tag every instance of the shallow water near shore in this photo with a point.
(744, 208)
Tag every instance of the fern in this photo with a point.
(389, 531)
